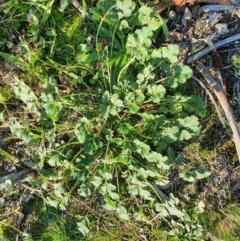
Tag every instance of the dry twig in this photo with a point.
(207, 50)
(219, 92)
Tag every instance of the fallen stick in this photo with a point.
(207, 50)
(219, 92)
(17, 176)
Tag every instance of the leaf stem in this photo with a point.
(125, 67)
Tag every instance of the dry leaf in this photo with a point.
(196, 10)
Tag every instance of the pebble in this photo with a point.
(171, 15)
(221, 28)
(187, 14)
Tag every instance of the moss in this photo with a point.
(71, 30)
(69, 36)
(6, 94)
(196, 153)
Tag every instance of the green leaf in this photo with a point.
(195, 174)
(180, 158)
(107, 176)
(109, 203)
(106, 97)
(133, 190)
(132, 107)
(190, 123)
(180, 74)
(160, 208)
(113, 195)
(175, 212)
(84, 191)
(147, 17)
(82, 129)
(141, 148)
(54, 161)
(145, 194)
(171, 134)
(52, 202)
(24, 93)
(156, 92)
(122, 213)
(195, 104)
(200, 207)
(51, 135)
(52, 107)
(109, 189)
(139, 96)
(144, 174)
(92, 143)
(185, 135)
(116, 101)
(171, 154)
(170, 53)
(23, 133)
(123, 25)
(104, 109)
(139, 43)
(111, 104)
(124, 8)
(63, 5)
(7, 187)
(97, 181)
(83, 227)
(154, 157)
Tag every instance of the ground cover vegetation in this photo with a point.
(95, 115)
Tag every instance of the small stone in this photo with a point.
(221, 28)
(171, 15)
(187, 14)
(214, 18)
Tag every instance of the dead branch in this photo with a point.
(219, 92)
(207, 50)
